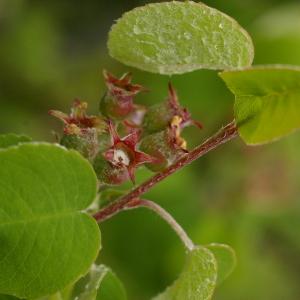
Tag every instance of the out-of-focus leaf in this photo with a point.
(111, 288)
(101, 284)
(280, 21)
(197, 280)
(278, 29)
(178, 37)
(47, 241)
(267, 101)
(11, 139)
(226, 260)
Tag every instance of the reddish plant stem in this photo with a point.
(224, 135)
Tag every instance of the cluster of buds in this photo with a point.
(124, 135)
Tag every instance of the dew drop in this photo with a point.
(161, 69)
(187, 35)
(137, 29)
(147, 59)
(218, 47)
(161, 39)
(188, 59)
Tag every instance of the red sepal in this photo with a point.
(183, 113)
(123, 151)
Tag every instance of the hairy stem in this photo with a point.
(224, 135)
(164, 215)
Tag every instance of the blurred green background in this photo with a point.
(53, 51)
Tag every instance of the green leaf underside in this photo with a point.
(47, 242)
(267, 101)
(178, 37)
(197, 280)
(226, 260)
(11, 139)
(101, 284)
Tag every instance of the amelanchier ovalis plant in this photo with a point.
(52, 196)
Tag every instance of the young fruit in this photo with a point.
(159, 116)
(86, 134)
(85, 143)
(117, 102)
(166, 146)
(108, 173)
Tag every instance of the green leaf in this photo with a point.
(226, 260)
(179, 36)
(47, 240)
(56, 296)
(65, 294)
(11, 139)
(101, 284)
(267, 102)
(198, 279)
(111, 288)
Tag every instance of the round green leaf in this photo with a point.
(178, 37)
(198, 279)
(47, 240)
(267, 101)
(11, 139)
(226, 260)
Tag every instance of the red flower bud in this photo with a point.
(117, 102)
(159, 116)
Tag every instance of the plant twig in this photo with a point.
(224, 135)
(166, 216)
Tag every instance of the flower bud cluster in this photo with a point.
(124, 135)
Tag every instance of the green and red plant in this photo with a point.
(51, 195)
